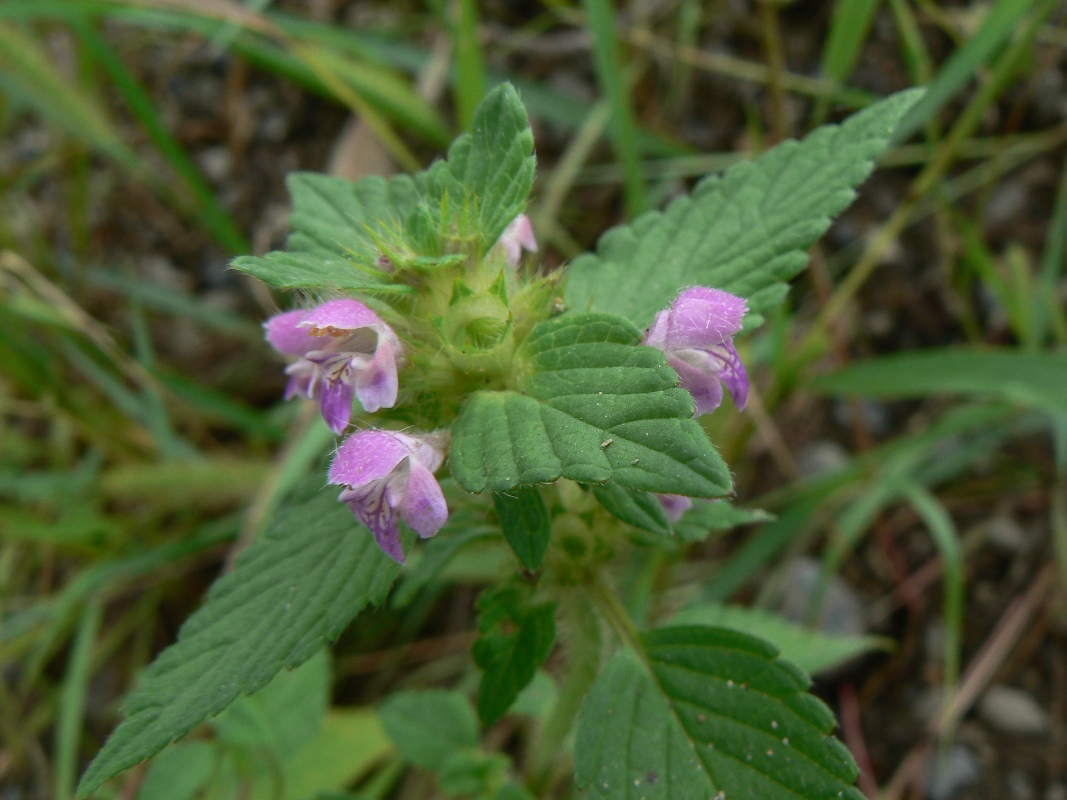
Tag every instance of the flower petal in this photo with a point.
(376, 382)
(367, 456)
(675, 505)
(734, 376)
(343, 316)
(336, 405)
(422, 505)
(700, 381)
(285, 334)
(517, 236)
(703, 317)
(371, 507)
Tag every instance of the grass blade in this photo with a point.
(611, 77)
(1037, 380)
(470, 66)
(962, 65)
(72, 700)
(210, 212)
(849, 27)
(946, 539)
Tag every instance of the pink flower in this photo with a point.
(388, 474)
(343, 350)
(696, 333)
(675, 505)
(517, 236)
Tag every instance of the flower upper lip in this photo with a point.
(696, 334)
(344, 351)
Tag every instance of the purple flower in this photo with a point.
(696, 333)
(389, 474)
(675, 505)
(517, 236)
(343, 350)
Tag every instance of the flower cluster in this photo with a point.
(343, 351)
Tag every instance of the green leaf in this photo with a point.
(526, 524)
(461, 530)
(709, 713)
(429, 727)
(319, 272)
(1037, 380)
(492, 164)
(349, 744)
(293, 590)
(472, 773)
(516, 638)
(640, 509)
(811, 650)
(340, 227)
(704, 519)
(592, 405)
(283, 715)
(333, 217)
(179, 772)
(744, 232)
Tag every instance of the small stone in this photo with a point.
(820, 458)
(216, 163)
(951, 773)
(874, 414)
(1013, 711)
(1006, 534)
(841, 610)
(1020, 787)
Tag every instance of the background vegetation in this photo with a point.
(908, 427)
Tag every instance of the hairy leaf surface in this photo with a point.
(592, 406)
(428, 727)
(713, 713)
(493, 162)
(517, 635)
(290, 592)
(341, 228)
(526, 524)
(745, 232)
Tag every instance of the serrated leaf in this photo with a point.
(334, 217)
(339, 226)
(526, 524)
(706, 518)
(431, 726)
(712, 713)
(745, 232)
(811, 650)
(304, 271)
(592, 405)
(640, 509)
(293, 590)
(516, 637)
(494, 162)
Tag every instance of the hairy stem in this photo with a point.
(583, 644)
